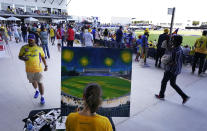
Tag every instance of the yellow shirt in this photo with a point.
(35, 54)
(52, 33)
(77, 122)
(201, 45)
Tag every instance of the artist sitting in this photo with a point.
(87, 119)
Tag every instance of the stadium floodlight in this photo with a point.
(61, 2)
(52, 1)
(68, 3)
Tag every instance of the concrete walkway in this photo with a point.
(147, 113)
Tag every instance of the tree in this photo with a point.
(64, 71)
(195, 23)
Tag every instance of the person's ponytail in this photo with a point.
(92, 95)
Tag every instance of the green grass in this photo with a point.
(112, 86)
(188, 39)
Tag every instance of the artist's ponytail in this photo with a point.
(92, 94)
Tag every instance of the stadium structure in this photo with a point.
(43, 10)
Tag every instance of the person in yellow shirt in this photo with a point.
(200, 52)
(3, 33)
(52, 35)
(33, 56)
(87, 119)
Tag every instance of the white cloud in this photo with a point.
(143, 9)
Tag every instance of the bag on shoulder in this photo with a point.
(164, 44)
(166, 59)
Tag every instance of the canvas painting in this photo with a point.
(110, 68)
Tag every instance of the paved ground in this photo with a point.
(147, 113)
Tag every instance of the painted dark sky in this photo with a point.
(96, 57)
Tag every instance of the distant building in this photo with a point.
(41, 9)
(121, 20)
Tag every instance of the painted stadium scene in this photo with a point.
(110, 68)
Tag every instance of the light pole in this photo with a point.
(172, 21)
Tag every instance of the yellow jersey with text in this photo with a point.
(201, 45)
(35, 54)
(77, 122)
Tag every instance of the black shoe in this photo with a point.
(201, 75)
(159, 66)
(158, 97)
(186, 99)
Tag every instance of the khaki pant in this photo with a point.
(35, 77)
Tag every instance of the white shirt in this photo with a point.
(88, 38)
(15, 29)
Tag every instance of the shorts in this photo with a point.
(59, 40)
(16, 35)
(35, 77)
(9, 33)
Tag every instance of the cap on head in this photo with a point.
(31, 36)
(146, 30)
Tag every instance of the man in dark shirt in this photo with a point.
(172, 69)
(160, 50)
(119, 35)
(24, 32)
(145, 45)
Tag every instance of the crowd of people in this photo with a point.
(167, 52)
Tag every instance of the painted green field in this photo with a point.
(189, 37)
(112, 86)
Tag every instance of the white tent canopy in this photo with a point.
(2, 18)
(31, 19)
(13, 19)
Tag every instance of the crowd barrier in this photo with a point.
(120, 111)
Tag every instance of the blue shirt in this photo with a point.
(139, 42)
(144, 41)
(44, 37)
(94, 32)
(129, 39)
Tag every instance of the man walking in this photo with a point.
(24, 32)
(172, 69)
(70, 36)
(119, 35)
(52, 35)
(44, 41)
(88, 38)
(160, 50)
(200, 52)
(33, 56)
(144, 45)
